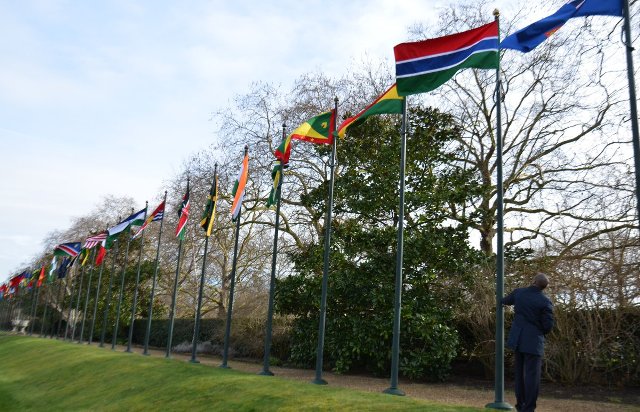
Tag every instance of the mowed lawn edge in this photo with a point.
(39, 374)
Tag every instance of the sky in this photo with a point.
(109, 98)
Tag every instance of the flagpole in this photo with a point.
(175, 293)
(227, 325)
(34, 311)
(86, 300)
(325, 269)
(95, 304)
(153, 284)
(46, 306)
(64, 292)
(122, 276)
(57, 305)
(135, 291)
(499, 402)
(272, 283)
(75, 316)
(196, 326)
(71, 294)
(395, 347)
(109, 293)
(632, 99)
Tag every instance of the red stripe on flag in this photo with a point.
(445, 44)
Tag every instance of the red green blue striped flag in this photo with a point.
(67, 249)
(425, 65)
(183, 215)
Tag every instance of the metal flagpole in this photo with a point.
(173, 302)
(75, 316)
(325, 270)
(57, 305)
(124, 270)
(499, 402)
(175, 291)
(109, 291)
(95, 304)
(46, 306)
(633, 103)
(64, 292)
(395, 347)
(34, 308)
(272, 283)
(86, 299)
(153, 285)
(71, 294)
(196, 326)
(135, 292)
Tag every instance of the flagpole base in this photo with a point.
(194, 361)
(394, 391)
(503, 406)
(128, 350)
(265, 372)
(224, 366)
(319, 381)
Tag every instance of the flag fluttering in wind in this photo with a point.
(425, 65)
(183, 215)
(275, 176)
(102, 252)
(155, 216)
(530, 37)
(64, 265)
(283, 152)
(209, 214)
(41, 277)
(15, 281)
(67, 249)
(93, 241)
(318, 129)
(52, 269)
(239, 186)
(135, 219)
(387, 103)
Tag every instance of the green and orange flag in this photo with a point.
(388, 103)
(318, 129)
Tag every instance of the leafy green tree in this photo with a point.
(437, 256)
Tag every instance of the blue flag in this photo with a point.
(531, 36)
(62, 270)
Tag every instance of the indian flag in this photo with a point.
(239, 185)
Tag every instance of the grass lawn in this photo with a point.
(39, 374)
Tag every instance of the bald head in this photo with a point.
(540, 280)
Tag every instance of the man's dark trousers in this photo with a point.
(528, 370)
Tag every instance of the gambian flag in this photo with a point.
(155, 216)
(318, 129)
(388, 103)
(41, 277)
(425, 65)
(276, 174)
(209, 214)
(238, 187)
(183, 215)
(284, 150)
(67, 249)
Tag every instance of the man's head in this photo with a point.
(540, 280)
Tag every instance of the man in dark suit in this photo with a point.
(533, 319)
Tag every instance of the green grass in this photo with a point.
(49, 375)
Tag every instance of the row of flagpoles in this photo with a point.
(420, 67)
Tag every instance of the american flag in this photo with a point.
(95, 240)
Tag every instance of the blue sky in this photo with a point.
(87, 83)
